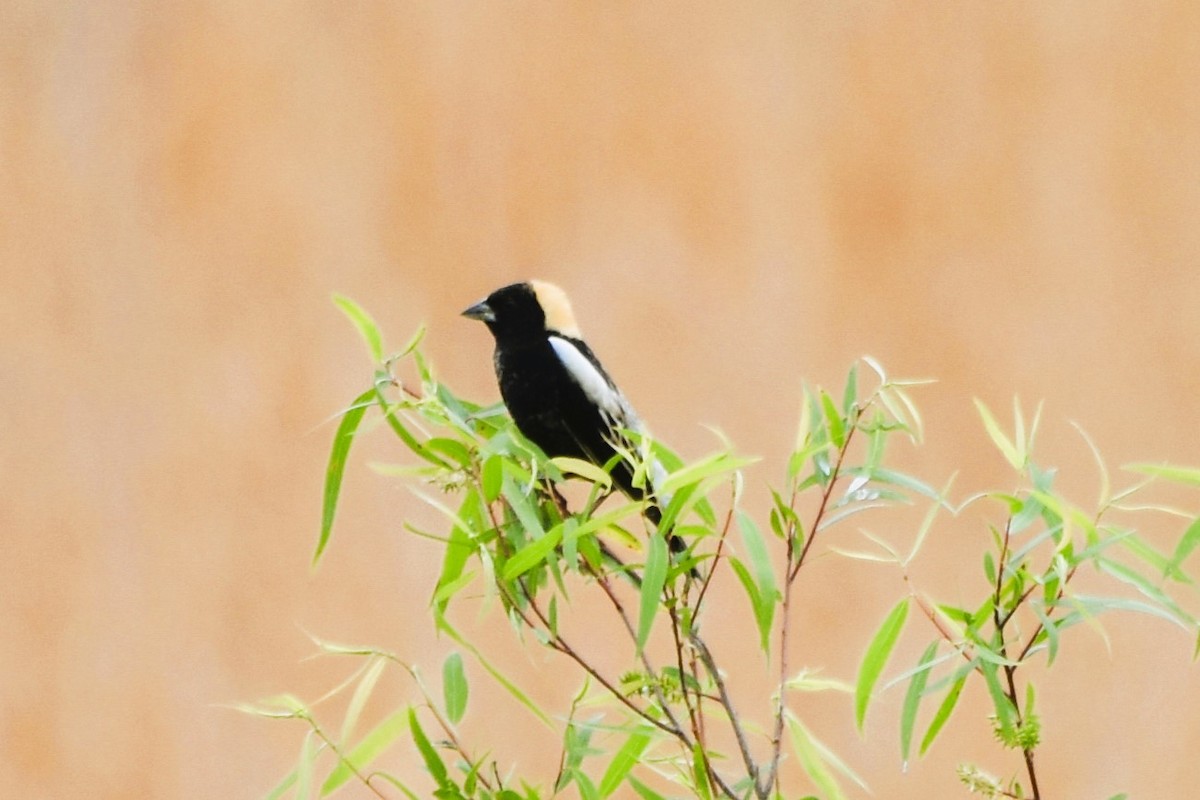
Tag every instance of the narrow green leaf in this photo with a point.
(943, 713)
(492, 474)
(533, 553)
(584, 469)
(337, 466)
(912, 700)
(837, 426)
(699, 773)
(500, 677)
(454, 687)
(433, 761)
(764, 576)
(367, 750)
(288, 782)
(653, 578)
(523, 505)
(1005, 712)
(304, 768)
(1049, 632)
(1005, 445)
(715, 464)
(1187, 543)
(453, 449)
(1187, 475)
(876, 658)
(850, 395)
(1139, 582)
(810, 759)
(365, 324)
(806, 681)
(763, 609)
(756, 549)
(803, 431)
(623, 762)
(362, 693)
(587, 789)
(454, 559)
(644, 791)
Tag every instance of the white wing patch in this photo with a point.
(611, 403)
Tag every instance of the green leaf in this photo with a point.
(288, 782)
(362, 693)
(367, 750)
(837, 426)
(943, 713)
(699, 773)
(584, 469)
(811, 760)
(716, 464)
(1187, 543)
(764, 576)
(806, 681)
(366, 326)
(533, 553)
(444, 625)
(458, 550)
(1188, 475)
(433, 761)
(1011, 452)
(490, 480)
(653, 578)
(304, 768)
(912, 699)
(587, 790)
(763, 609)
(876, 658)
(455, 450)
(524, 505)
(1139, 582)
(623, 762)
(1006, 713)
(454, 687)
(412, 342)
(644, 791)
(850, 395)
(337, 466)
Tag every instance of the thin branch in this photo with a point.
(710, 666)
(365, 779)
(716, 558)
(763, 789)
(1011, 669)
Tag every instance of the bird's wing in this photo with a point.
(584, 368)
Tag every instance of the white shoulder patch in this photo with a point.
(594, 384)
(612, 404)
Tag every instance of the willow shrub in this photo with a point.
(511, 544)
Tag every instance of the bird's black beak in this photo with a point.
(480, 311)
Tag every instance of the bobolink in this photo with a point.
(558, 394)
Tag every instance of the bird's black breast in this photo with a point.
(547, 405)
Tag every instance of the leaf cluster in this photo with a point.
(512, 545)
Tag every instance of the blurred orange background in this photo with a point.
(739, 199)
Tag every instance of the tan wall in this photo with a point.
(739, 200)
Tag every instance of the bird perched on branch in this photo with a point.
(558, 394)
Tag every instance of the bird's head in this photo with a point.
(526, 311)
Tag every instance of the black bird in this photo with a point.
(558, 394)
